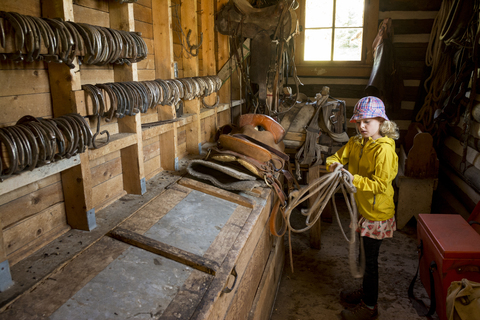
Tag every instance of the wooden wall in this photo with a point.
(412, 22)
(38, 206)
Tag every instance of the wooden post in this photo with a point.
(65, 84)
(121, 18)
(164, 69)
(316, 230)
(371, 26)
(223, 54)
(209, 65)
(5, 276)
(77, 190)
(191, 69)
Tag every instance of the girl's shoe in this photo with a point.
(360, 312)
(352, 296)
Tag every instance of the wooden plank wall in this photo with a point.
(35, 214)
(412, 22)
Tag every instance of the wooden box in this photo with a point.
(453, 245)
(193, 252)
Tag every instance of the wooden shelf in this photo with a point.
(36, 174)
(223, 106)
(185, 119)
(151, 132)
(205, 113)
(117, 142)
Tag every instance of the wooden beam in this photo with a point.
(191, 69)
(132, 156)
(63, 80)
(164, 69)
(5, 276)
(223, 54)
(122, 18)
(209, 64)
(163, 36)
(165, 250)
(64, 84)
(77, 192)
(231, 65)
(371, 27)
(216, 192)
(316, 230)
(168, 149)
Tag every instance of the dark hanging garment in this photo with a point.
(385, 80)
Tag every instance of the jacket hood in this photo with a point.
(380, 141)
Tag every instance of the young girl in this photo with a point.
(372, 164)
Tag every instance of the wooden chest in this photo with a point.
(193, 252)
(453, 246)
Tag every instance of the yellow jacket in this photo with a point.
(374, 165)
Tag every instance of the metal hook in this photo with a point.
(100, 133)
(194, 47)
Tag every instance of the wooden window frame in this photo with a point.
(339, 68)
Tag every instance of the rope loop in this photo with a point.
(324, 189)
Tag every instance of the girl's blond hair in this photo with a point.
(389, 129)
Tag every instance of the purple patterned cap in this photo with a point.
(369, 107)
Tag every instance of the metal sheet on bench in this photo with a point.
(140, 284)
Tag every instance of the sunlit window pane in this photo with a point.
(349, 13)
(318, 45)
(319, 13)
(348, 44)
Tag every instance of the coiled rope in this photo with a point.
(440, 64)
(326, 186)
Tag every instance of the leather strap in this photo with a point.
(273, 220)
(431, 269)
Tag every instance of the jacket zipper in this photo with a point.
(374, 196)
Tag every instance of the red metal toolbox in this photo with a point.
(454, 246)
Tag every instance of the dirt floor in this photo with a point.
(312, 291)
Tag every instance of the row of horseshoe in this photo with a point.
(54, 40)
(119, 99)
(35, 142)
(132, 97)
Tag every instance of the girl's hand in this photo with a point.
(350, 176)
(333, 166)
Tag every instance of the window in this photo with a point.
(336, 37)
(333, 30)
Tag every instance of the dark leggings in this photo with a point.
(370, 279)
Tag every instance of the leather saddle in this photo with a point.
(254, 20)
(262, 25)
(256, 143)
(316, 129)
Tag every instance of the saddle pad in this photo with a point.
(224, 176)
(244, 147)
